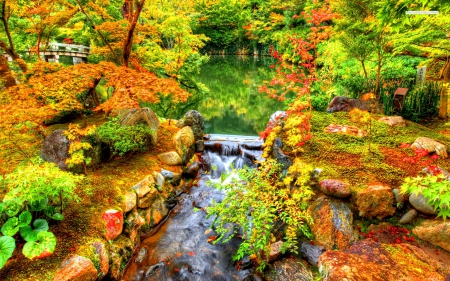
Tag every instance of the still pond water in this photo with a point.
(234, 105)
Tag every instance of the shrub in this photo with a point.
(35, 186)
(265, 207)
(125, 139)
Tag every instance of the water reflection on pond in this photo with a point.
(234, 105)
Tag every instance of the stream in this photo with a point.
(180, 250)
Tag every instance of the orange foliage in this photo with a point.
(52, 90)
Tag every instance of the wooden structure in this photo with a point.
(399, 97)
(53, 52)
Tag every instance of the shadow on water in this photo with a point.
(180, 250)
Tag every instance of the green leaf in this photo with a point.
(2, 208)
(7, 246)
(57, 216)
(10, 227)
(28, 233)
(40, 225)
(24, 218)
(38, 205)
(42, 247)
(12, 207)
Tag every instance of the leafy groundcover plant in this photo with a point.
(125, 139)
(262, 208)
(31, 190)
(435, 188)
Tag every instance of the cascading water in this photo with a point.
(181, 248)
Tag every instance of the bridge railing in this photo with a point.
(68, 47)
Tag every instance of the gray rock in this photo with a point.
(171, 177)
(141, 255)
(289, 269)
(192, 170)
(409, 217)
(144, 186)
(419, 203)
(195, 120)
(399, 198)
(160, 182)
(279, 155)
(129, 201)
(55, 149)
(171, 158)
(312, 252)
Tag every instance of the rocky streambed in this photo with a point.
(182, 248)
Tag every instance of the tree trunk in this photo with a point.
(443, 107)
(39, 47)
(5, 72)
(364, 68)
(129, 40)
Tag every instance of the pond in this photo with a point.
(234, 105)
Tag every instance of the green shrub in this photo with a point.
(35, 187)
(125, 139)
(265, 207)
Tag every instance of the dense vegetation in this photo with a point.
(147, 52)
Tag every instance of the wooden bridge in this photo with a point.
(53, 52)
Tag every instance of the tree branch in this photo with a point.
(99, 33)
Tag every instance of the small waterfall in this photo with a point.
(180, 249)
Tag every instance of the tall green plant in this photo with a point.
(264, 207)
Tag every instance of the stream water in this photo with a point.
(180, 250)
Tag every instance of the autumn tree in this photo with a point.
(52, 90)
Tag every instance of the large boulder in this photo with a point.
(342, 103)
(193, 119)
(332, 223)
(435, 231)
(367, 260)
(184, 142)
(146, 116)
(76, 268)
(375, 201)
(431, 146)
(56, 149)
